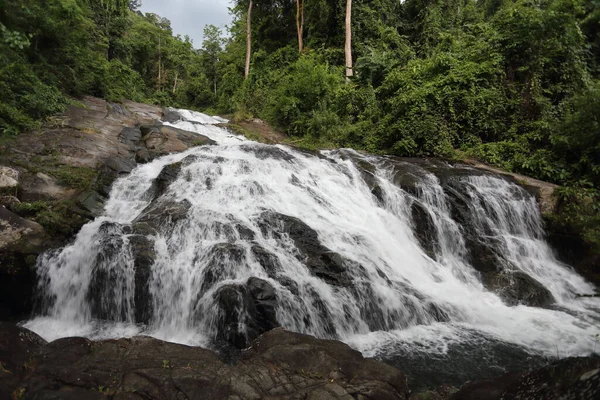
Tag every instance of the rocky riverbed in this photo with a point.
(278, 365)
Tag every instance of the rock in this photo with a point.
(171, 115)
(162, 139)
(144, 255)
(18, 347)
(9, 180)
(167, 176)
(444, 392)
(571, 378)
(263, 152)
(42, 187)
(321, 261)
(17, 233)
(516, 287)
(92, 202)
(424, 228)
(254, 304)
(9, 201)
(279, 365)
(163, 213)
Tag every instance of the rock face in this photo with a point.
(279, 365)
(571, 378)
(321, 261)
(61, 176)
(21, 241)
(253, 303)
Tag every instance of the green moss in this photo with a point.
(82, 178)
(59, 218)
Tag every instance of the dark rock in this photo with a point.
(571, 378)
(162, 139)
(572, 248)
(167, 176)
(120, 165)
(321, 261)
(144, 255)
(424, 228)
(171, 116)
(21, 241)
(103, 296)
(18, 348)
(443, 392)
(262, 152)
(253, 304)
(268, 261)
(279, 365)
(516, 287)
(162, 214)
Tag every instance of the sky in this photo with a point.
(188, 17)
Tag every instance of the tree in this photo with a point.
(212, 47)
(248, 40)
(300, 23)
(348, 47)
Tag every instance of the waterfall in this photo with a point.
(374, 251)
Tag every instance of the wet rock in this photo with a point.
(103, 296)
(263, 152)
(321, 261)
(267, 260)
(279, 365)
(424, 228)
(253, 303)
(142, 249)
(167, 176)
(163, 213)
(162, 140)
(516, 287)
(571, 378)
(171, 116)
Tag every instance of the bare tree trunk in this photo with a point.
(300, 23)
(248, 40)
(175, 84)
(159, 64)
(348, 47)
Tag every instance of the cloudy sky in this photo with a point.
(188, 17)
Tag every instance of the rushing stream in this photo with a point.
(394, 257)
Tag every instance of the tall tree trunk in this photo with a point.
(175, 84)
(300, 23)
(159, 63)
(248, 40)
(348, 47)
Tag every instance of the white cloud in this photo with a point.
(189, 17)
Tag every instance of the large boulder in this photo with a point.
(253, 305)
(279, 365)
(516, 287)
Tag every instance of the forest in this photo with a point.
(512, 83)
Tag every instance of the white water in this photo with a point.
(401, 296)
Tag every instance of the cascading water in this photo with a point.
(373, 251)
